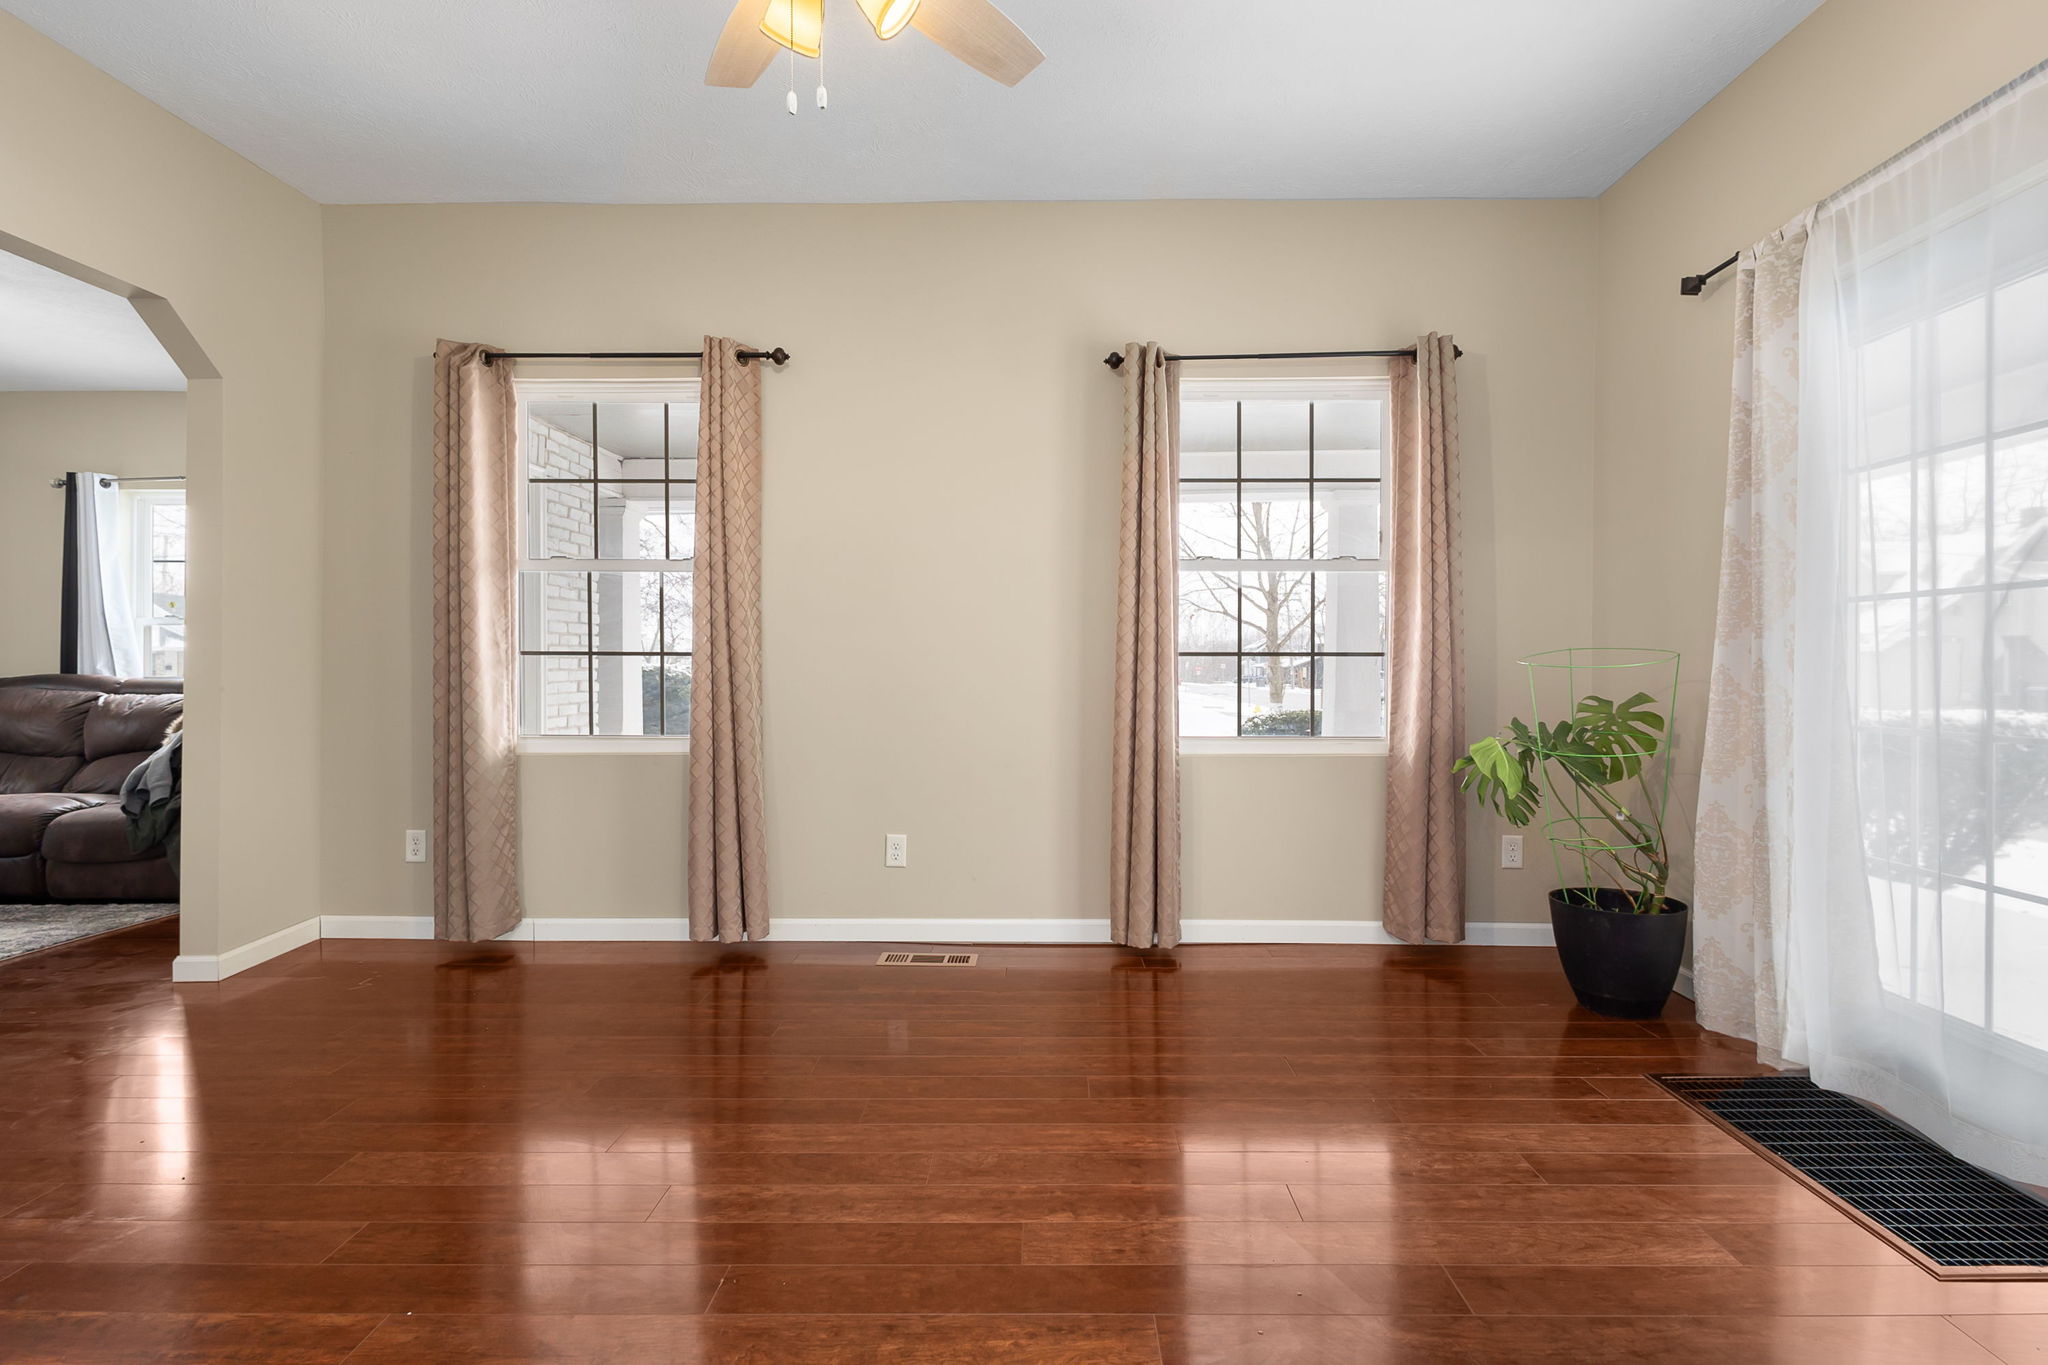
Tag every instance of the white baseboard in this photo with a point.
(1507, 933)
(918, 930)
(376, 926)
(209, 967)
(615, 930)
(1481, 934)
(1502, 934)
(422, 927)
(1478, 934)
(1684, 983)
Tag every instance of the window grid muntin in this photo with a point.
(154, 624)
(1239, 566)
(141, 507)
(589, 568)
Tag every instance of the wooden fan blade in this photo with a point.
(980, 35)
(743, 50)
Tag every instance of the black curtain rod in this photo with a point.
(1115, 359)
(778, 356)
(1693, 284)
(109, 480)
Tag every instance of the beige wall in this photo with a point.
(1855, 83)
(942, 493)
(41, 436)
(1309, 861)
(946, 398)
(99, 176)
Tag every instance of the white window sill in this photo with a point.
(603, 744)
(1204, 745)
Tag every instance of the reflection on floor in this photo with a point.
(410, 1152)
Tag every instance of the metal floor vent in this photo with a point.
(926, 959)
(1957, 1221)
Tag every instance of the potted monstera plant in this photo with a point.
(1600, 777)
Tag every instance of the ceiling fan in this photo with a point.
(975, 31)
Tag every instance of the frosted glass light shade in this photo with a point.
(890, 17)
(796, 24)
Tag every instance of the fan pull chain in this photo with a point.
(792, 61)
(821, 56)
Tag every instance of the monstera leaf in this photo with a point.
(1604, 743)
(1501, 778)
(1618, 735)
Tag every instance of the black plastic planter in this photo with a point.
(1618, 962)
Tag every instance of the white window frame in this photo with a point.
(1320, 388)
(138, 508)
(680, 389)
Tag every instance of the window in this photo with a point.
(1282, 590)
(153, 553)
(609, 520)
(1948, 480)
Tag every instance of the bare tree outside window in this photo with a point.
(1282, 601)
(1275, 606)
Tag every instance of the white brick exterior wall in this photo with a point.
(562, 523)
(566, 526)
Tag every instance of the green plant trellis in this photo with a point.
(1603, 769)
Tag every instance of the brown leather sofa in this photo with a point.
(67, 741)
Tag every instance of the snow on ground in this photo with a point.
(1211, 708)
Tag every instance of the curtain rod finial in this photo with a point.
(1115, 360)
(1691, 285)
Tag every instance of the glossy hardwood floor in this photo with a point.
(396, 1153)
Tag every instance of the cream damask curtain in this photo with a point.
(1743, 859)
(476, 721)
(728, 845)
(1144, 848)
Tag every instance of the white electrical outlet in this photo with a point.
(1510, 850)
(415, 845)
(896, 852)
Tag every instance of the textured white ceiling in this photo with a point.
(604, 101)
(58, 333)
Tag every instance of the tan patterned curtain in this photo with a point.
(476, 722)
(1425, 872)
(728, 850)
(1743, 855)
(1144, 849)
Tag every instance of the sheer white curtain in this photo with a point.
(1915, 800)
(105, 638)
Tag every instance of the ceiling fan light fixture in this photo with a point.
(890, 17)
(973, 31)
(798, 25)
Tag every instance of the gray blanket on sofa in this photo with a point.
(152, 796)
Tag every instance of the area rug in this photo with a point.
(29, 928)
